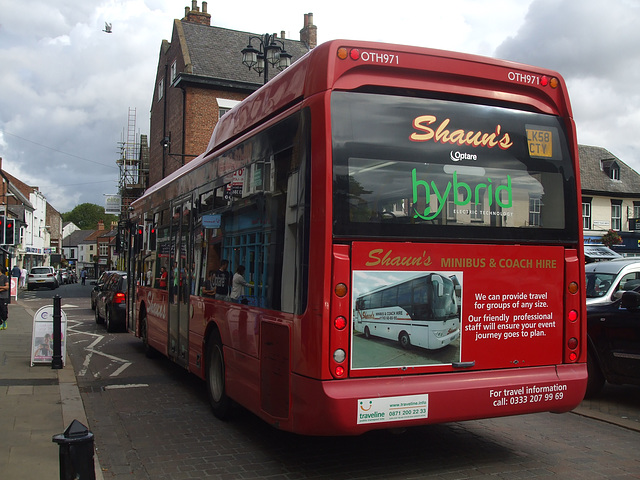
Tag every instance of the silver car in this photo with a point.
(607, 281)
(42, 277)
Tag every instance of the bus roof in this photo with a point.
(367, 65)
(321, 70)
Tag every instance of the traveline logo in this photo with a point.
(461, 193)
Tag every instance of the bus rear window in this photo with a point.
(412, 167)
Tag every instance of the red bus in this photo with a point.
(361, 166)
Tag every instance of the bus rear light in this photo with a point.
(573, 288)
(551, 81)
(344, 53)
(339, 371)
(573, 356)
(339, 355)
(573, 315)
(341, 290)
(572, 343)
(340, 323)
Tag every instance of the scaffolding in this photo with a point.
(133, 163)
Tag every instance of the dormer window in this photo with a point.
(614, 172)
(611, 168)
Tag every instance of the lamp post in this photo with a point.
(268, 53)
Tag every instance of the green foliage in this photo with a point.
(87, 215)
(611, 238)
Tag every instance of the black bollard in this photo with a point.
(76, 453)
(56, 360)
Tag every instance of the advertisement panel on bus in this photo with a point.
(484, 307)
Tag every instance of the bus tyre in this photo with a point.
(149, 351)
(403, 338)
(220, 403)
(367, 332)
(596, 378)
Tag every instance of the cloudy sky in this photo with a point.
(66, 86)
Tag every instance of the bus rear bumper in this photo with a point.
(354, 406)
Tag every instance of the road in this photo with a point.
(151, 420)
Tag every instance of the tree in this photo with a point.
(611, 238)
(87, 215)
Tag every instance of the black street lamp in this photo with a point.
(269, 53)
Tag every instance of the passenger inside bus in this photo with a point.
(209, 289)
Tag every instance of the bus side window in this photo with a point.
(420, 299)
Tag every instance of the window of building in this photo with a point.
(476, 210)
(174, 71)
(224, 105)
(534, 211)
(614, 173)
(616, 215)
(160, 89)
(586, 213)
(451, 211)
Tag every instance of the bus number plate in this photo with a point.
(540, 143)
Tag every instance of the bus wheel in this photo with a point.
(367, 332)
(220, 403)
(403, 338)
(149, 351)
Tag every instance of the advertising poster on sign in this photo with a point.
(440, 307)
(42, 337)
(14, 287)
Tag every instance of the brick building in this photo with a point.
(200, 75)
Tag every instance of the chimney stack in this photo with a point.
(195, 15)
(309, 33)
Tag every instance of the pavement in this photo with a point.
(38, 402)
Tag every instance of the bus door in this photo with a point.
(180, 274)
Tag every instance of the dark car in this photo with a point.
(98, 284)
(614, 342)
(111, 302)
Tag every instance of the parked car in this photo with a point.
(97, 286)
(111, 302)
(63, 277)
(42, 277)
(613, 332)
(606, 281)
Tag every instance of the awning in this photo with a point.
(597, 253)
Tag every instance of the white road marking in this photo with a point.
(91, 349)
(131, 385)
